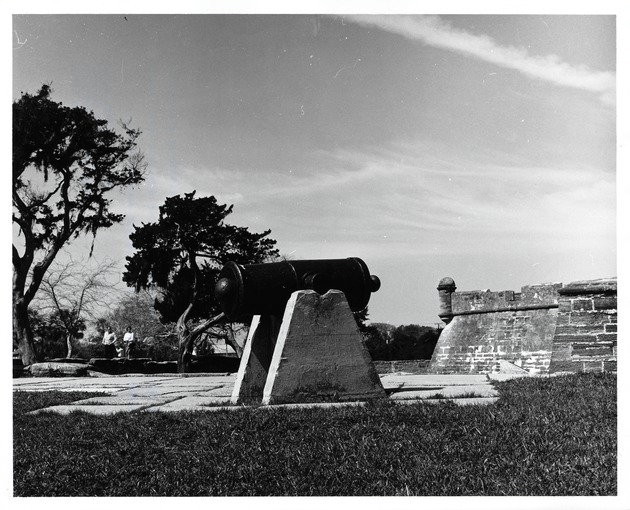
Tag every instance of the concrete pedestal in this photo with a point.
(256, 359)
(318, 355)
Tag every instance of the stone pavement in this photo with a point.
(211, 392)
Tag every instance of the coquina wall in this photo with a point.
(586, 331)
(541, 329)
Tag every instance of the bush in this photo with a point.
(413, 342)
(401, 343)
(89, 350)
(51, 347)
(160, 349)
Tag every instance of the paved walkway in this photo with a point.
(211, 392)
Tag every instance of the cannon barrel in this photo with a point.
(258, 289)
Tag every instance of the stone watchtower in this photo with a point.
(445, 288)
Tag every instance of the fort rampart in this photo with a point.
(542, 329)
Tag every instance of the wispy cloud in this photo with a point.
(408, 197)
(410, 187)
(434, 31)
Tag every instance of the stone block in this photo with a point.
(561, 351)
(610, 366)
(58, 369)
(605, 303)
(579, 305)
(600, 286)
(563, 319)
(591, 350)
(319, 353)
(193, 403)
(481, 390)
(90, 409)
(561, 339)
(409, 382)
(118, 400)
(118, 366)
(224, 391)
(80, 361)
(561, 366)
(564, 306)
(582, 330)
(592, 366)
(610, 328)
(610, 338)
(149, 393)
(589, 319)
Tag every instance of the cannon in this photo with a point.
(243, 290)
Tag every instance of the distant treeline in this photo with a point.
(387, 342)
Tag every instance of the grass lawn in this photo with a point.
(546, 437)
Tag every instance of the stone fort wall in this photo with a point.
(585, 339)
(542, 329)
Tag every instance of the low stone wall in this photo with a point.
(585, 339)
(207, 364)
(58, 369)
(74, 367)
(417, 366)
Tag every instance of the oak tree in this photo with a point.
(65, 163)
(182, 253)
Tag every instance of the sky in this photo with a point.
(480, 147)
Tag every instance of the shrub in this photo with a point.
(89, 350)
(159, 349)
(400, 343)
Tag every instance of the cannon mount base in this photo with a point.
(314, 353)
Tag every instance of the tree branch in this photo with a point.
(45, 198)
(207, 324)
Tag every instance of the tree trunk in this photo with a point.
(184, 337)
(184, 357)
(231, 341)
(22, 334)
(69, 344)
(187, 337)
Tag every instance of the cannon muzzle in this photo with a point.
(258, 289)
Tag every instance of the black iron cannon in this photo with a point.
(258, 289)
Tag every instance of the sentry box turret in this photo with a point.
(243, 290)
